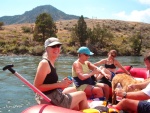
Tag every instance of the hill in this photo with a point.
(30, 16)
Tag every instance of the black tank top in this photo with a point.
(51, 78)
(111, 66)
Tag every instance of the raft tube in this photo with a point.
(45, 108)
(135, 71)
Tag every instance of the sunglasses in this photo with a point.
(55, 46)
(86, 55)
(113, 55)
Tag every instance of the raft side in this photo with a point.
(139, 72)
(45, 108)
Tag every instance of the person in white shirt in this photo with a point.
(148, 73)
(134, 102)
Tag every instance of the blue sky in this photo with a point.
(128, 10)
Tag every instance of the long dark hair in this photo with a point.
(147, 57)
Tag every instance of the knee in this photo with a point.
(101, 67)
(74, 89)
(99, 91)
(106, 87)
(83, 93)
(124, 100)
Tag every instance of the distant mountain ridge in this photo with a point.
(30, 16)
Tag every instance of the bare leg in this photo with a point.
(105, 72)
(105, 88)
(98, 76)
(128, 105)
(96, 91)
(79, 99)
(69, 90)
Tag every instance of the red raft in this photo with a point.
(43, 108)
(136, 72)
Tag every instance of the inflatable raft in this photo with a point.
(140, 73)
(97, 106)
(44, 108)
(137, 72)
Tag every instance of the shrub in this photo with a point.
(37, 50)
(26, 29)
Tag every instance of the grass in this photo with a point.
(122, 30)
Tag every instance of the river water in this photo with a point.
(16, 97)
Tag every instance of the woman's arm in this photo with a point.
(102, 71)
(100, 62)
(139, 85)
(138, 95)
(143, 94)
(120, 66)
(79, 71)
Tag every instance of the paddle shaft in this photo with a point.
(32, 87)
(9, 67)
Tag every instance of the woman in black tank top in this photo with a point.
(110, 64)
(46, 80)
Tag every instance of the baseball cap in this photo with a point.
(84, 50)
(52, 41)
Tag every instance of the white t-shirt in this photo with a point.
(147, 90)
(148, 73)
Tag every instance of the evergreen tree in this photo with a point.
(44, 27)
(1, 24)
(136, 45)
(81, 31)
(100, 37)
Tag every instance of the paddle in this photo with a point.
(9, 67)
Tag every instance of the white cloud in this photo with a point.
(139, 16)
(144, 1)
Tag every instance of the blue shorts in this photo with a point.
(143, 107)
(112, 75)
